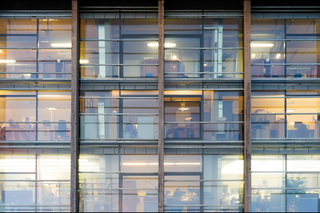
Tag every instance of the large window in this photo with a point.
(35, 115)
(285, 114)
(284, 48)
(35, 48)
(114, 45)
(203, 45)
(35, 182)
(287, 183)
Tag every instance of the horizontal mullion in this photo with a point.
(35, 147)
(60, 73)
(283, 188)
(34, 205)
(35, 48)
(206, 89)
(118, 64)
(113, 172)
(120, 114)
(202, 147)
(204, 15)
(119, 40)
(287, 113)
(288, 39)
(201, 205)
(35, 180)
(92, 97)
(35, 122)
(206, 122)
(203, 73)
(285, 171)
(203, 48)
(201, 180)
(286, 64)
(118, 189)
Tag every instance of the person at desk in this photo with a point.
(301, 131)
(177, 195)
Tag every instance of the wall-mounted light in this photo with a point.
(61, 45)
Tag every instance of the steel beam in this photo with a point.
(161, 105)
(247, 104)
(74, 197)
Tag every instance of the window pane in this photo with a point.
(182, 163)
(139, 163)
(302, 51)
(144, 127)
(268, 200)
(268, 180)
(303, 26)
(138, 25)
(268, 52)
(273, 71)
(303, 71)
(267, 126)
(18, 26)
(303, 200)
(100, 28)
(55, 33)
(22, 63)
(268, 163)
(267, 105)
(16, 41)
(267, 28)
(182, 26)
(140, 105)
(303, 162)
(99, 126)
(302, 126)
(55, 61)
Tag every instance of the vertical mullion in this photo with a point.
(247, 104)
(37, 51)
(161, 105)
(74, 196)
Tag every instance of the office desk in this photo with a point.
(183, 131)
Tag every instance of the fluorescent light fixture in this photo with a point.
(52, 108)
(278, 55)
(84, 61)
(183, 109)
(290, 110)
(253, 55)
(61, 45)
(154, 164)
(262, 45)
(7, 61)
(156, 44)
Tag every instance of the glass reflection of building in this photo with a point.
(119, 110)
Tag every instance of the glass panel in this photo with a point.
(223, 167)
(182, 110)
(140, 105)
(264, 200)
(182, 26)
(53, 193)
(55, 61)
(267, 28)
(55, 33)
(231, 30)
(99, 52)
(267, 105)
(303, 26)
(268, 180)
(303, 200)
(223, 61)
(98, 200)
(18, 26)
(140, 194)
(99, 126)
(303, 105)
(301, 180)
(95, 105)
(18, 163)
(182, 195)
(182, 163)
(267, 126)
(53, 131)
(87, 71)
(144, 127)
(98, 163)
(302, 126)
(18, 193)
(223, 131)
(18, 62)
(273, 71)
(139, 163)
(268, 163)
(138, 25)
(182, 61)
(100, 28)
(225, 195)
(54, 167)
(302, 51)
(16, 41)
(268, 52)
(140, 92)
(303, 163)
(223, 106)
(303, 71)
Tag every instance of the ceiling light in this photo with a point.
(278, 55)
(84, 61)
(290, 110)
(7, 61)
(52, 108)
(253, 55)
(174, 57)
(262, 45)
(61, 45)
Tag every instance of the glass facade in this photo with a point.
(119, 99)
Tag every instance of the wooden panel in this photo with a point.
(74, 205)
(247, 104)
(161, 106)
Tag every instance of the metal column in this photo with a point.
(74, 196)
(247, 104)
(161, 105)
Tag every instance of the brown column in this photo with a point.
(74, 197)
(161, 105)
(247, 104)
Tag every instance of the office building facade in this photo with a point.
(159, 106)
